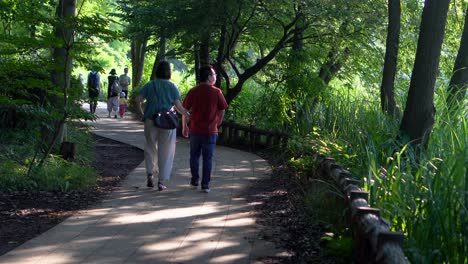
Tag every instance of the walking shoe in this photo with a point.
(193, 185)
(206, 190)
(161, 186)
(149, 182)
(115, 116)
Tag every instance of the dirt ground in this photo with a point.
(279, 209)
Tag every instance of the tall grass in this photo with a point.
(424, 196)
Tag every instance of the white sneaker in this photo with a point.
(207, 190)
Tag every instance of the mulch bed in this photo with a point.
(281, 211)
(24, 215)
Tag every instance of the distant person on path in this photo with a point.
(81, 79)
(113, 93)
(125, 81)
(207, 105)
(160, 143)
(94, 88)
(122, 104)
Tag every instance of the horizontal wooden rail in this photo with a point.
(235, 134)
(374, 241)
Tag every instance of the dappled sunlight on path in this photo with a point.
(136, 224)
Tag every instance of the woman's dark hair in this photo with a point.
(163, 70)
(204, 72)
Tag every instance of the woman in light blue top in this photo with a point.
(160, 94)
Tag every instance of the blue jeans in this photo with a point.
(201, 145)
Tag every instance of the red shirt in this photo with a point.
(204, 101)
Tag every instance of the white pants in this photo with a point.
(159, 149)
(113, 104)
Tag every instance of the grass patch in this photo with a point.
(18, 151)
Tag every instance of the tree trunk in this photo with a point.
(61, 54)
(294, 69)
(160, 55)
(418, 118)
(205, 49)
(220, 56)
(138, 49)
(196, 55)
(231, 93)
(64, 32)
(387, 96)
(202, 53)
(298, 41)
(331, 67)
(459, 81)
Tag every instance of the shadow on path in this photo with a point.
(180, 225)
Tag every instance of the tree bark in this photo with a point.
(138, 50)
(220, 56)
(205, 49)
(64, 31)
(333, 65)
(387, 95)
(202, 53)
(330, 68)
(418, 118)
(160, 55)
(459, 81)
(249, 72)
(61, 55)
(196, 55)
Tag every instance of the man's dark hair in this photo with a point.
(163, 70)
(204, 72)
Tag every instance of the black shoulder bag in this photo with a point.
(165, 119)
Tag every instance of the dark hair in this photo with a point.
(163, 70)
(204, 72)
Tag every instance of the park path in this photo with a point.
(136, 224)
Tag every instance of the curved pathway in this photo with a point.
(136, 224)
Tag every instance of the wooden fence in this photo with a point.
(374, 241)
(239, 135)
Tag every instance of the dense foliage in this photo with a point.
(312, 68)
(39, 98)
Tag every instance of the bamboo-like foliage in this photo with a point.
(423, 195)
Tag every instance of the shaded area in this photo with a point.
(279, 212)
(282, 214)
(24, 215)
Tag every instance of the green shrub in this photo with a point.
(62, 175)
(17, 154)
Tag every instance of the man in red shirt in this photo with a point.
(207, 104)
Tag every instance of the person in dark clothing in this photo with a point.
(112, 95)
(94, 87)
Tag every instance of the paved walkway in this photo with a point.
(180, 225)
